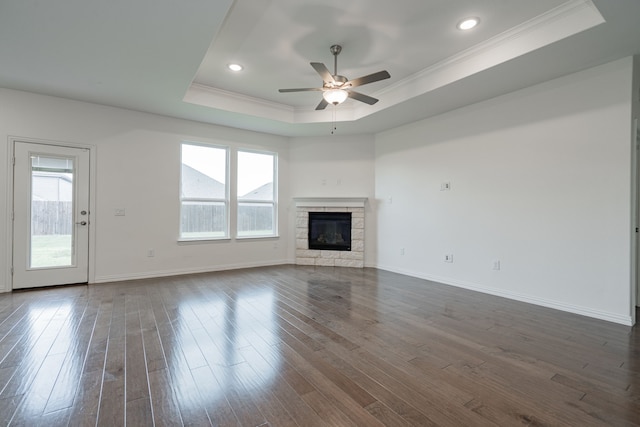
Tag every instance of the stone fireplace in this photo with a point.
(335, 254)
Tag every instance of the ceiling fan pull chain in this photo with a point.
(333, 121)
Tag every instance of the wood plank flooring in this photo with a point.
(305, 346)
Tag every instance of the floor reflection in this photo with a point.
(50, 358)
(302, 346)
(231, 334)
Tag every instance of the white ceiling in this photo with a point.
(170, 58)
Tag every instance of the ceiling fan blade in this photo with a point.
(323, 71)
(323, 104)
(362, 97)
(302, 89)
(380, 75)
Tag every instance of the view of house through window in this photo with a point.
(205, 189)
(204, 192)
(256, 194)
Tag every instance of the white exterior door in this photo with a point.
(51, 215)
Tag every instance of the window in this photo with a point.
(256, 194)
(204, 194)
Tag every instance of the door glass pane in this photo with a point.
(51, 212)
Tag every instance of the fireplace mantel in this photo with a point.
(330, 202)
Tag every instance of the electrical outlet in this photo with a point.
(496, 264)
(401, 251)
(151, 253)
(448, 258)
(445, 186)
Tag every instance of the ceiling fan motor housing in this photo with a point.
(338, 82)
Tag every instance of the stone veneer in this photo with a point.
(306, 256)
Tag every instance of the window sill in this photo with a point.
(225, 239)
(266, 237)
(203, 241)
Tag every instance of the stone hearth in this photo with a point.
(306, 256)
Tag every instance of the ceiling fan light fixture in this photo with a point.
(335, 96)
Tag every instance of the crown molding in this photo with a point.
(568, 19)
(330, 202)
(212, 97)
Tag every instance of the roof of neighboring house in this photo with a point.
(264, 192)
(52, 187)
(197, 185)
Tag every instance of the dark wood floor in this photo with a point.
(304, 346)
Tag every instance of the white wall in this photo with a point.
(137, 169)
(540, 180)
(335, 166)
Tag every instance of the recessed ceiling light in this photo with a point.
(468, 23)
(235, 67)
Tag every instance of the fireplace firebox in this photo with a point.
(330, 231)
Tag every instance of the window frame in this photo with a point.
(273, 202)
(225, 200)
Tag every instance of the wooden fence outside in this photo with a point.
(196, 218)
(56, 218)
(51, 218)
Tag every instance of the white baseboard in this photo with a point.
(570, 308)
(178, 272)
(562, 306)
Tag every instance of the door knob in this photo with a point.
(82, 223)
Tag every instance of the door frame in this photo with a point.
(11, 200)
(635, 282)
(634, 288)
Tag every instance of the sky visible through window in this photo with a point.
(254, 170)
(211, 162)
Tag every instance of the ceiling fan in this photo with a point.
(336, 88)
